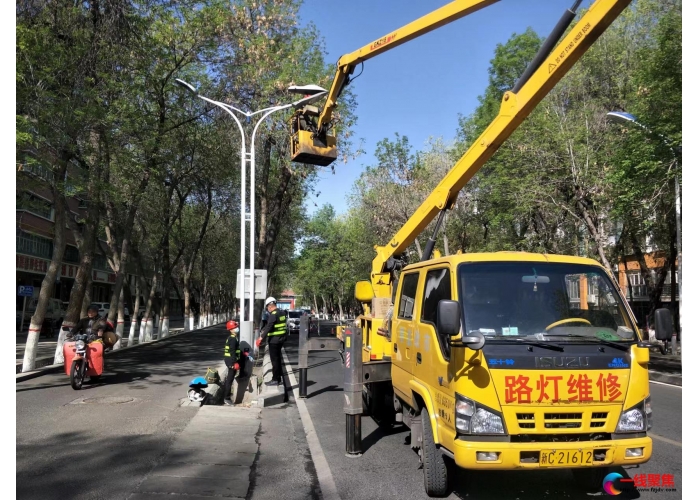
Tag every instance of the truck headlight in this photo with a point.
(636, 419)
(473, 418)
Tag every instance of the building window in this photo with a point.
(31, 244)
(36, 205)
(38, 170)
(635, 279)
(573, 288)
(99, 262)
(71, 254)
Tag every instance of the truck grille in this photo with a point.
(526, 420)
(564, 420)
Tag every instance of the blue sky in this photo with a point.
(420, 88)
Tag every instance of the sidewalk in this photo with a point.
(255, 453)
(212, 457)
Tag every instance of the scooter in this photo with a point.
(83, 356)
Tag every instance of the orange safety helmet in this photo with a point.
(231, 325)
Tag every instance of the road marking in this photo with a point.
(665, 440)
(323, 471)
(664, 383)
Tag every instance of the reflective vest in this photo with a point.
(227, 352)
(280, 327)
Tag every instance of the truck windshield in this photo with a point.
(542, 300)
(295, 314)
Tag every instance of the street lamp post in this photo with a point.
(622, 118)
(311, 94)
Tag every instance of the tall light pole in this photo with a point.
(311, 93)
(622, 118)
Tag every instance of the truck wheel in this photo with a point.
(434, 466)
(590, 479)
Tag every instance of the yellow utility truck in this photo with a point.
(505, 360)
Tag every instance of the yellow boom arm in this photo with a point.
(312, 141)
(515, 107)
(429, 22)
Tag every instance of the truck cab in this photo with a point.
(520, 361)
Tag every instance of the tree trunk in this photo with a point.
(187, 313)
(315, 305)
(86, 246)
(149, 308)
(135, 314)
(78, 296)
(119, 330)
(48, 284)
(340, 308)
(118, 260)
(593, 231)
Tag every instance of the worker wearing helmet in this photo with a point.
(232, 355)
(275, 331)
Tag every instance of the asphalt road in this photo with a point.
(389, 468)
(100, 442)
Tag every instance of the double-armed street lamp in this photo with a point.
(311, 94)
(623, 118)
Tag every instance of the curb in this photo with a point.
(21, 377)
(269, 395)
(666, 378)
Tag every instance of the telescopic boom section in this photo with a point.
(311, 135)
(515, 107)
(429, 22)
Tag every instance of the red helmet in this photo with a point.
(231, 325)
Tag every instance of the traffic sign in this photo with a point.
(25, 291)
(260, 284)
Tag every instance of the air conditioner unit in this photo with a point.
(593, 298)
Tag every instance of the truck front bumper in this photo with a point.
(511, 456)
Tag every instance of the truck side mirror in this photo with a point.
(664, 324)
(449, 317)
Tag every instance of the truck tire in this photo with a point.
(590, 479)
(434, 466)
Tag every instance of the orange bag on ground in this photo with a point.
(94, 356)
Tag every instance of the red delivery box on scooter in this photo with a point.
(94, 357)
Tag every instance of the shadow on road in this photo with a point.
(49, 468)
(527, 485)
(377, 434)
(296, 370)
(330, 388)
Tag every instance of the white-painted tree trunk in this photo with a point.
(119, 330)
(142, 330)
(58, 354)
(155, 327)
(190, 322)
(132, 331)
(149, 330)
(165, 329)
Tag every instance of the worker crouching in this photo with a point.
(232, 358)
